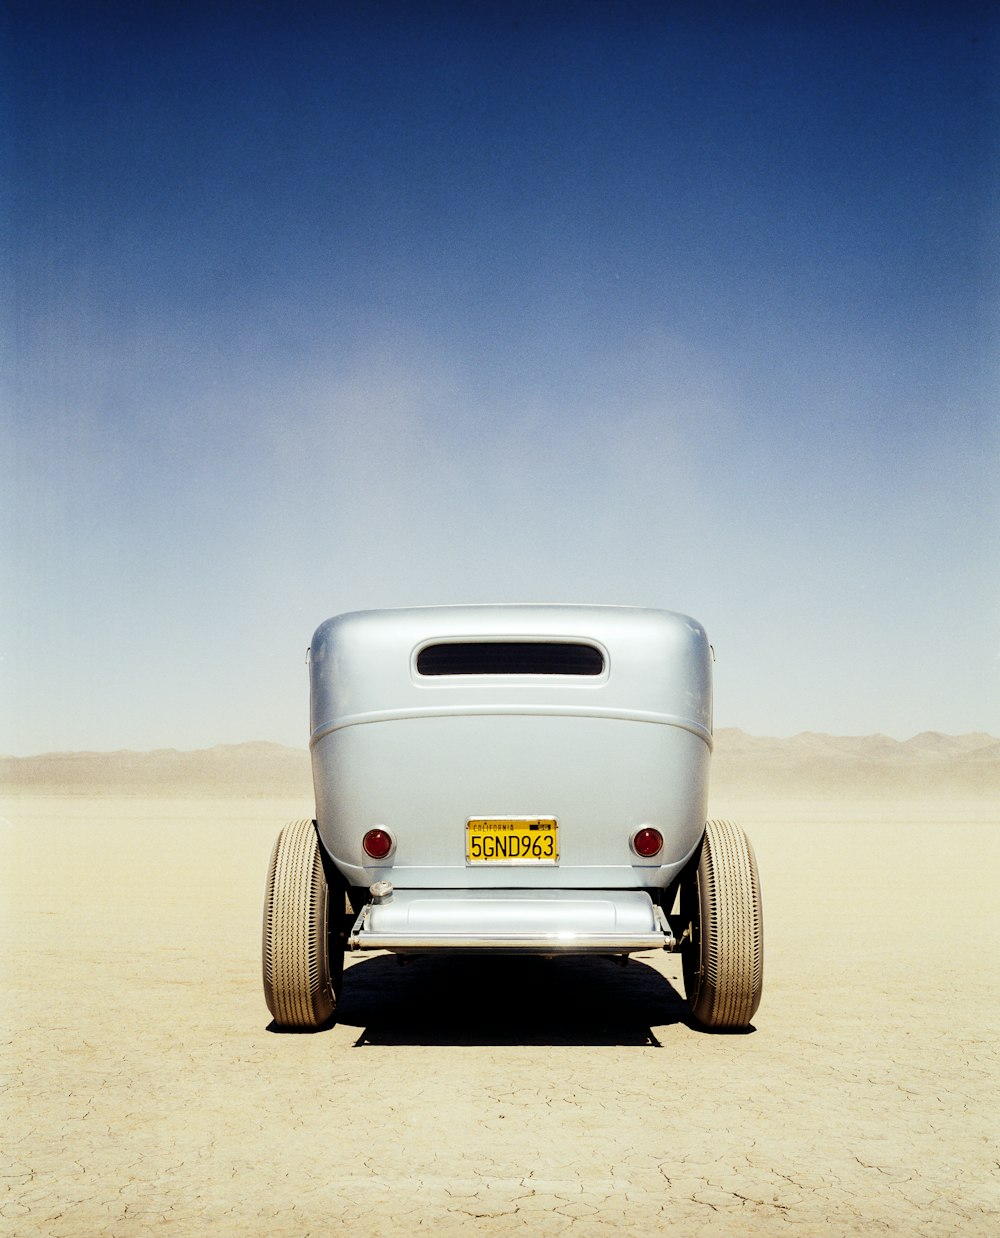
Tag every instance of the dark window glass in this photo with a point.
(510, 658)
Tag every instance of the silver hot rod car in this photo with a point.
(516, 779)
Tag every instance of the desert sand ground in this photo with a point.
(146, 1092)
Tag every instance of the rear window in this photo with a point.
(510, 658)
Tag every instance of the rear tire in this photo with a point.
(303, 951)
(723, 957)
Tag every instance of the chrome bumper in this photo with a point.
(533, 921)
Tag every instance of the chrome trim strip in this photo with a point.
(549, 944)
(535, 711)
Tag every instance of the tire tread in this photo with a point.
(298, 985)
(731, 972)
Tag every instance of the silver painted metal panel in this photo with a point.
(601, 779)
(364, 665)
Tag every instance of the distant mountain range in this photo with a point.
(255, 769)
(929, 763)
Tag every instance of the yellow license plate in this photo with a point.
(511, 840)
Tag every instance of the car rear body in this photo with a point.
(513, 755)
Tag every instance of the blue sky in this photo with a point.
(323, 307)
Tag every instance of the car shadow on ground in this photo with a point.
(507, 1001)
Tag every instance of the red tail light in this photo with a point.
(647, 842)
(377, 843)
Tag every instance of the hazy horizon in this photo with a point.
(320, 309)
(723, 734)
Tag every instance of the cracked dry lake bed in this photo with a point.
(144, 1090)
